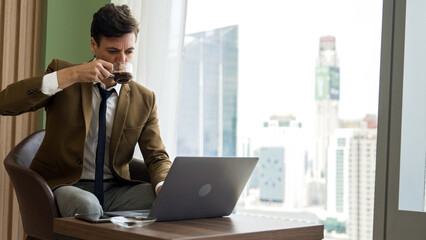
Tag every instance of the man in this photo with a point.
(80, 135)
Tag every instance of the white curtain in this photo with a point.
(157, 59)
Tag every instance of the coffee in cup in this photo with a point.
(122, 72)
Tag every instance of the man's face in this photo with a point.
(114, 49)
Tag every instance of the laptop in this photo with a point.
(199, 187)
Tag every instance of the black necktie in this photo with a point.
(100, 151)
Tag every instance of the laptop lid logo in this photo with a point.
(204, 190)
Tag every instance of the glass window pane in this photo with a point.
(296, 84)
(413, 140)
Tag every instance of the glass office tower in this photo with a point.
(208, 103)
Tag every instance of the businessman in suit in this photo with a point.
(93, 124)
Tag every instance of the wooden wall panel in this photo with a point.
(20, 28)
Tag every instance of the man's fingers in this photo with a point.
(104, 74)
(104, 68)
(107, 65)
(98, 78)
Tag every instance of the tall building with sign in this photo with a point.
(327, 94)
(208, 102)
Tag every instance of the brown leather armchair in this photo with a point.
(36, 201)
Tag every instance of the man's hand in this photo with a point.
(94, 71)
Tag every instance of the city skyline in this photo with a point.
(277, 57)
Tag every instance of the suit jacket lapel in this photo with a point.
(119, 120)
(86, 101)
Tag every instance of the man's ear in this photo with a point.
(93, 45)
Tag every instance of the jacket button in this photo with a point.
(32, 90)
(79, 161)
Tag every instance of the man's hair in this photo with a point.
(113, 21)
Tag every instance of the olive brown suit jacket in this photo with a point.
(59, 159)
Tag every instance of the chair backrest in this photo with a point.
(36, 200)
(26, 150)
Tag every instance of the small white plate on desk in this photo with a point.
(132, 222)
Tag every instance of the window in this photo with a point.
(341, 142)
(296, 84)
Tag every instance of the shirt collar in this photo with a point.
(117, 87)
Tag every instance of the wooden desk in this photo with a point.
(232, 227)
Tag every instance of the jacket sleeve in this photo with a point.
(25, 95)
(152, 147)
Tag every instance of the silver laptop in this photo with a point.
(199, 187)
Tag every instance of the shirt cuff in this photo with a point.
(158, 185)
(49, 85)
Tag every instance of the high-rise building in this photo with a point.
(270, 173)
(327, 94)
(350, 177)
(362, 168)
(280, 173)
(338, 173)
(208, 102)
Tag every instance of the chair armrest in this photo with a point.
(138, 170)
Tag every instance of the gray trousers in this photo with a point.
(79, 198)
